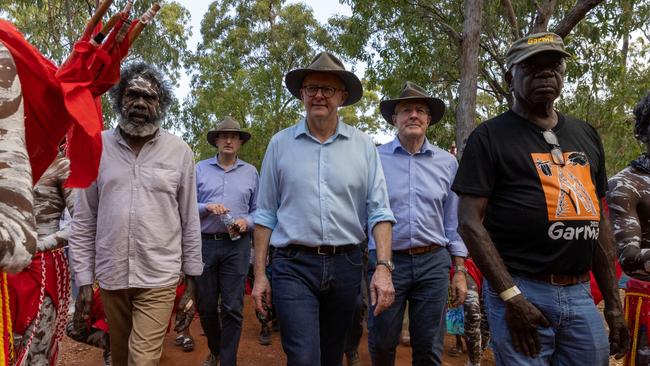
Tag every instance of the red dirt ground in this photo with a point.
(250, 352)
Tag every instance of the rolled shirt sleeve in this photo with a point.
(82, 237)
(268, 193)
(378, 204)
(192, 263)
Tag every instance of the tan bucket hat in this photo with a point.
(412, 91)
(326, 62)
(228, 124)
(533, 44)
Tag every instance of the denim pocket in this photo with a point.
(353, 257)
(586, 286)
(285, 254)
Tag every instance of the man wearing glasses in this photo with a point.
(531, 182)
(321, 185)
(419, 177)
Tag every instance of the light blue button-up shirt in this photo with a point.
(419, 187)
(314, 193)
(235, 188)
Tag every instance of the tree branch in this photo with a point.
(576, 14)
(512, 18)
(544, 12)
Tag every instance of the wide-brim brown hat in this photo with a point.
(412, 91)
(326, 62)
(228, 124)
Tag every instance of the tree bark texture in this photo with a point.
(575, 16)
(466, 111)
(545, 9)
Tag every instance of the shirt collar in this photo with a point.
(215, 161)
(426, 147)
(342, 129)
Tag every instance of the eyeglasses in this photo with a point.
(326, 91)
(556, 151)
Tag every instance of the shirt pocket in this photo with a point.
(160, 180)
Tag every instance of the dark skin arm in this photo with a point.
(603, 269)
(623, 203)
(521, 316)
(186, 306)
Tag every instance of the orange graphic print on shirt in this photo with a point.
(569, 190)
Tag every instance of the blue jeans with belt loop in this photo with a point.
(423, 281)
(222, 284)
(314, 297)
(577, 333)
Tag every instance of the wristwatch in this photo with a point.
(388, 263)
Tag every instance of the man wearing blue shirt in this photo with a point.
(224, 184)
(321, 185)
(419, 177)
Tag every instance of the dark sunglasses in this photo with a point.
(556, 150)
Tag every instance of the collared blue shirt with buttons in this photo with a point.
(235, 188)
(419, 187)
(314, 193)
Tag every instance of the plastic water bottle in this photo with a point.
(229, 222)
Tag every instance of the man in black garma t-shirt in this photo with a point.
(530, 184)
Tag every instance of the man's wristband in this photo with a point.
(509, 293)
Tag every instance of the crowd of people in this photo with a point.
(335, 220)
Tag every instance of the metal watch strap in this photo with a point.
(387, 263)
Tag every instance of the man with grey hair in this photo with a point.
(136, 228)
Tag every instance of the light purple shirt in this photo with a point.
(419, 188)
(235, 188)
(137, 225)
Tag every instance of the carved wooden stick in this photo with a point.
(143, 21)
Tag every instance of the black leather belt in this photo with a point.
(218, 236)
(323, 249)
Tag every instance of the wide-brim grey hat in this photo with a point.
(326, 62)
(533, 44)
(412, 91)
(228, 124)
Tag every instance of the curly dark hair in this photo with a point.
(149, 72)
(642, 119)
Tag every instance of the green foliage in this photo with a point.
(248, 46)
(419, 40)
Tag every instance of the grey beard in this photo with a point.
(137, 129)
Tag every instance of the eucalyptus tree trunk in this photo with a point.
(466, 110)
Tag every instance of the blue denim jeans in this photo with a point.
(423, 281)
(577, 334)
(223, 278)
(314, 298)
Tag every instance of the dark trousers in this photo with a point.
(221, 294)
(423, 280)
(314, 297)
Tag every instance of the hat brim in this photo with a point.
(436, 108)
(535, 52)
(293, 81)
(243, 135)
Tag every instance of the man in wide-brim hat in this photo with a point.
(321, 185)
(418, 177)
(224, 184)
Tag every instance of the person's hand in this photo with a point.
(619, 336)
(216, 208)
(382, 293)
(186, 306)
(82, 307)
(241, 225)
(522, 319)
(458, 288)
(262, 294)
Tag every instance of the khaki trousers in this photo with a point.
(137, 320)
